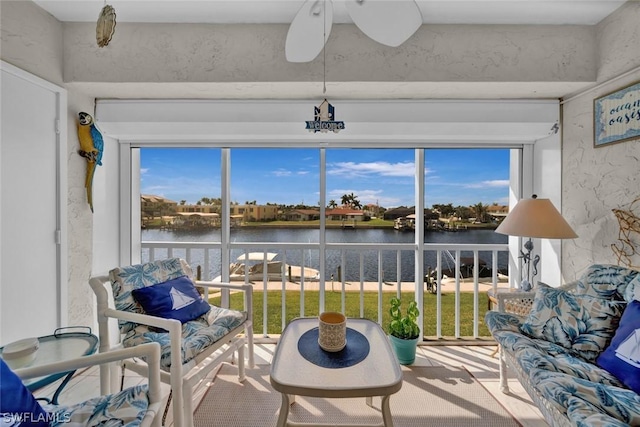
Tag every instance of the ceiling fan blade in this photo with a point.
(304, 39)
(389, 22)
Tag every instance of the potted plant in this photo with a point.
(404, 332)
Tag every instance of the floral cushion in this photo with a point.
(126, 279)
(197, 334)
(585, 414)
(565, 390)
(126, 408)
(582, 323)
(497, 321)
(505, 328)
(610, 282)
(530, 358)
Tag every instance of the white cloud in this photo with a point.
(496, 183)
(281, 173)
(284, 173)
(352, 169)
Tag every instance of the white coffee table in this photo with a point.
(379, 374)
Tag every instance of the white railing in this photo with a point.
(350, 260)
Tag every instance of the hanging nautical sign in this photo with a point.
(324, 116)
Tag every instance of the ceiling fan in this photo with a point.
(389, 22)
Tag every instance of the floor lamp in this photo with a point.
(534, 218)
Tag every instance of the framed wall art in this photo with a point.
(616, 116)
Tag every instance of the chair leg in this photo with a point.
(187, 395)
(105, 378)
(166, 408)
(249, 343)
(178, 400)
(112, 382)
(241, 374)
(504, 385)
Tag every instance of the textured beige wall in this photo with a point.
(31, 39)
(80, 219)
(255, 53)
(597, 180)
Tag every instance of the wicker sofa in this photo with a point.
(557, 347)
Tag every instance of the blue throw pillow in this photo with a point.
(17, 404)
(174, 299)
(622, 357)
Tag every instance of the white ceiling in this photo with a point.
(554, 12)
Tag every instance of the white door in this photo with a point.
(29, 274)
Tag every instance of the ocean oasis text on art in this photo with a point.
(617, 116)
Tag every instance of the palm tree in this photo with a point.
(481, 212)
(332, 204)
(350, 200)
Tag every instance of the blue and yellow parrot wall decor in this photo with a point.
(91, 148)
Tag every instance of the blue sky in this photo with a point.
(291, 176)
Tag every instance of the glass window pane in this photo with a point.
(275, 198)
(180, 192)
(365, 189)
(466, 195)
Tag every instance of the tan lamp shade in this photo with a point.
(536, 218)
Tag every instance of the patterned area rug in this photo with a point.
(436, 396)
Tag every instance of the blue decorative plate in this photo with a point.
(354, 352)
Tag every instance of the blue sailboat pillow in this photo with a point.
(622, 357)
(174, 299)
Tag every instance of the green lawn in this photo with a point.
(333, 303)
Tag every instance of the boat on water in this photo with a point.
(252, 264)
(404, 223)
(466, 269)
